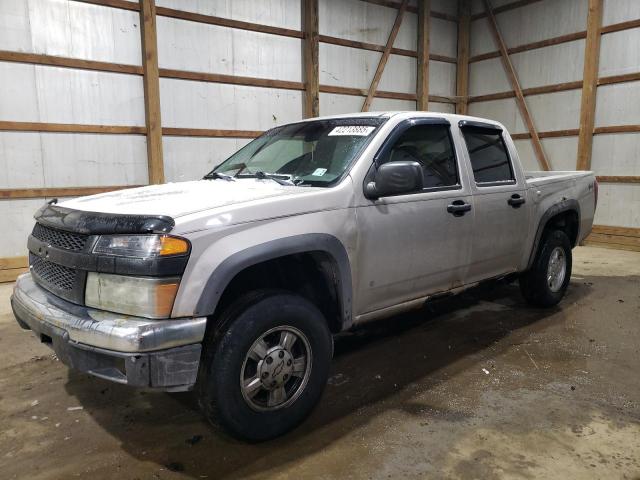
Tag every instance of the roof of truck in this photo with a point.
(408, 114)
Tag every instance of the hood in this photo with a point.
(183, 198)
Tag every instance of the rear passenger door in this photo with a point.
(499, 195)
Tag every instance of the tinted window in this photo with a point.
(431, 147)
(488, 153)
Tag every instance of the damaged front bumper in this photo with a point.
(158, 354)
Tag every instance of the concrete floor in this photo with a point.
(480, 386)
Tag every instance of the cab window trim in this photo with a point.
(393, 137)
(488, 129)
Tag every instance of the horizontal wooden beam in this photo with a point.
(621, 238)
(122, 4)
(71, 128)
(18, 193)
(343, 42)
(13, 262)
(618, 27)
(557, 87)
(231, 79)
(210, 132)
(572, 132)
(55, 61)
(227, 22)
(622, 231)
(618, 178)
(571, 37)
(11, 274)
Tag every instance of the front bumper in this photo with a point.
(159, 354)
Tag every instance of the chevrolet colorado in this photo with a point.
(233, 285)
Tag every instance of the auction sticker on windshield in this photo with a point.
(352, 130)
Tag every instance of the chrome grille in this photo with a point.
(57, 277)
(59, 238)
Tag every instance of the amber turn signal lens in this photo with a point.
(173, 246)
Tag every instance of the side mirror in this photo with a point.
(394, 178)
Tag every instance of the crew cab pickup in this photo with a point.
(234, 285)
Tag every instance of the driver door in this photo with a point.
(410, 245)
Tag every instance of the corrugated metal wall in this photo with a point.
(77, 30)
(615, 154)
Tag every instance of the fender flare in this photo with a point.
(560, 207)
(310, 242)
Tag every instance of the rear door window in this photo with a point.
(489, 158)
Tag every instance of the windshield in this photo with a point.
(313, 153)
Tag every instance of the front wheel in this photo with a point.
(264, 374)
(546, 282)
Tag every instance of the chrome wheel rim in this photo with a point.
(557, 269)
(276, 369)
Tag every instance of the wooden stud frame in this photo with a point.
(422, 102)
(589, 85)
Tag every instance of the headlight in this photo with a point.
(141, 246)
(139, 296)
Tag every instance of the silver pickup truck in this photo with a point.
(234, 285)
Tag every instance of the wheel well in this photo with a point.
(313, 275)
(567, 222)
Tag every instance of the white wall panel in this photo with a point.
(443, 37)
(532, 23)
(532, 68)
(190, 104)
(352, 67)
(504, 111)
(526, 154)
(617, 11)
(480, 38)
(619, 53)
(442, 107)
(62, 95)
(190, 158)
(200, 47)
(389, 104)
(562, 152)
(333, 104)
(278, 13)
(618, 104)
(554, 111)
(365, 22)
(442, 78)
(617, 154)
(70, 29)
(40, 160)
(18, 214)
(618, 205)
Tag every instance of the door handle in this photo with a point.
(458, 208)
(516, 200)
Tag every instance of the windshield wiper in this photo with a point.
(282, 179)
(222, 176)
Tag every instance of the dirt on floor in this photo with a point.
(477, 386)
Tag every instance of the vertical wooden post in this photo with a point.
(515, 85)
(385, 56)
(151, 83)
(424, 11)
(311, 53)
(462, 73)
(589, 85)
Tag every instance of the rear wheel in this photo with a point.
(266, 370)
(546, 282)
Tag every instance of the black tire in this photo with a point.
(534, 283)
(219, 390)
